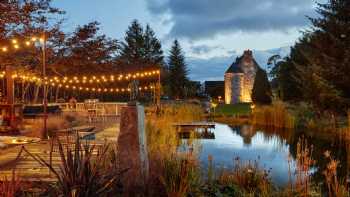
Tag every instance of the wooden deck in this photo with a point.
(31, 170)
(25, 165)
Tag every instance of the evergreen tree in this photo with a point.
(261, 93)
(153, 48)
(141, 48)
(327, 52)
(318, 68)
(177, 71)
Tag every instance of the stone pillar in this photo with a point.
(132, 148)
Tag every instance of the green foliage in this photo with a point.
(141, 48)
(177, 71)
(317, 69)
(84, 173)
(284, 80)
(234, 109)
(261, 93)
(85, 51)
(181, 176)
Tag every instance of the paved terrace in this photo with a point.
(14, 157)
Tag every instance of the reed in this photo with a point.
(162, 137)
(249, 177)
(10, 187)
(170, 172)
(335, 187)
(180, 176)
(273, 116)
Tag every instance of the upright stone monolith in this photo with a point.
(132, 148)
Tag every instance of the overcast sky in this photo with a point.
(206, 28)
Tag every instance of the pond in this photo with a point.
(270, 149)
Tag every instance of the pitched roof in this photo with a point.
(234, 68)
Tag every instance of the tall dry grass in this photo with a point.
(162, 137)
(273, 116)
(181, 175)
(11, 187)
(171, 172)
(304, 162)
(335, 187)
(251, 179)
(55, 123)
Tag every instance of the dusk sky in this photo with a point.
(207, 29)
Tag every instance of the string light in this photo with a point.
(62, 81)
(16, 43)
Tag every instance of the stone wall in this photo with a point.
(228, 87)
(234, 87)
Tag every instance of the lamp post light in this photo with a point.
(43, 41)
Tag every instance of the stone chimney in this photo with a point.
(248, 53)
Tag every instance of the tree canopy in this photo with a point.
(140, 48)
(177, 71)
(261, 93)
(318, 68)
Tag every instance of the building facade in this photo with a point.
(239, 79)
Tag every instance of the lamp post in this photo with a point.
(44, 134)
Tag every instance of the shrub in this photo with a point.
(86, 170)
(261, 93)
(181, 176)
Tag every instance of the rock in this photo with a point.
(131, 148)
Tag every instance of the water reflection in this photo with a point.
(271, 148)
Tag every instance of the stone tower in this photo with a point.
(239, 79)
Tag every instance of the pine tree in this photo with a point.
(141, 48)
(177, 71)
(153, 48)
(327, 52)
(132, 49)
(261, 93)
(317, 70)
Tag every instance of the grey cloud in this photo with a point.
(206, 18)
(214, 68)
(203, 49)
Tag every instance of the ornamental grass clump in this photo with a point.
(252, 180)
(180, 176)
(86, 170)
(162, 136)
(273, 116)
(335, 187)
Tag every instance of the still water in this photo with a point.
(270, 149)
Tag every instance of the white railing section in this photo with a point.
(98, 108)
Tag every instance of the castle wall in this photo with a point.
(249, 70)
(234, 83)
(239, 79)
(228, 87)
